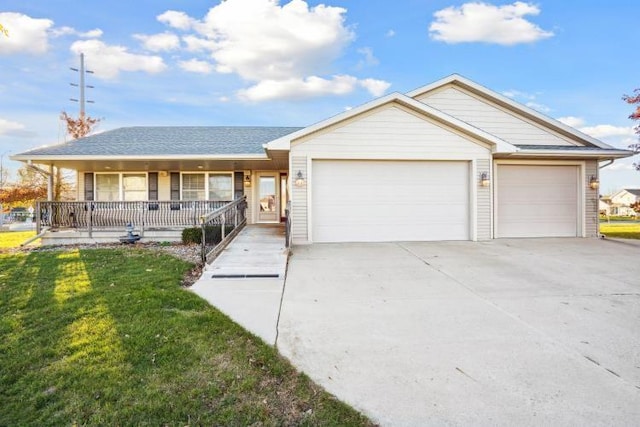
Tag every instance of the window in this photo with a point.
(220, 187)
(193, 186)
(111, 187)
(134, 187)
(107, 187)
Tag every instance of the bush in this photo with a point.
(212, 232)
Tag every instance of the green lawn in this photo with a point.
(13, 239)
(108, 337)
(625, 231)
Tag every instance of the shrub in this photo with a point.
(212, 232)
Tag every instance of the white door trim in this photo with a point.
(581, 204)
(256, 198)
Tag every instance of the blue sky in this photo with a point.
(261, 62)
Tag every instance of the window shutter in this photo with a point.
(88, 185)
(153, 185)
(238, 185)
(175, 185)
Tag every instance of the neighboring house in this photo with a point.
(452, 160)
(622, 200)
(604, 206)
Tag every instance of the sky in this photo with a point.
(294, 63)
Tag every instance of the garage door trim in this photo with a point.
(581, 196)
(471, 186)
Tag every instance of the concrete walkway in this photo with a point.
(246, 280)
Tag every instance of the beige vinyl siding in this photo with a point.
(390, 132)
(298, 200)
(491, 118)
(80, 186)
(592, 225)
(483, 197)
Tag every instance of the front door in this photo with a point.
(268, 201)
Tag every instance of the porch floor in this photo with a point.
(246, 280)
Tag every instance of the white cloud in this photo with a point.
(69, 31)
(26, 34)
(8, 127)
(197, 44)
(516, 94)
(574, 122)
(368, 59)
(176, 19)
(538, 107)
(196, 66)
(390, 33)
(606, 131)
(483, 22)
(527, 99)
(375, 87)
(159, 42)
(296, 88)
(621, 165)
(282, 49)
(108, 61)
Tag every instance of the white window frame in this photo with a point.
(206, 181)
(121, 183)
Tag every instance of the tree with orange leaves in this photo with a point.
(634, 100)
(79, 127)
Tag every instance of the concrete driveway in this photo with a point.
(506, 332)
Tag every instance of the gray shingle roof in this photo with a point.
(168, 140)
(634, 191)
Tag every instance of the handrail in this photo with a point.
(220, 226)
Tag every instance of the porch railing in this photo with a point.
(103, 216)
(221, 226)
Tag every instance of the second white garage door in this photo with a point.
(382, 201)
(537, 201)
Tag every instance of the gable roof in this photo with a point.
(634, 191)
(498, 145)
(510, 104)
(150, 141)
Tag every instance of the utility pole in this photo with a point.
(81, 85)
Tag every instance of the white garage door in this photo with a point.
(537, 201)
(382, 201)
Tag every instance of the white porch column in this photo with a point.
(50, 184)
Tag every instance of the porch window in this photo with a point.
(107, 187)
(193, 186)
(220, 186)
(134, 187)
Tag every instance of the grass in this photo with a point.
(13, 239)
(624, 231)
(108, 337)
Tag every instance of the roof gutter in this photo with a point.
(598, 154)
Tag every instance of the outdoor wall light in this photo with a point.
(299, 179)
(594, 183)
(247, 180)
(484, 179)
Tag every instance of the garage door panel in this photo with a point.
(371, 201)
(537, 201)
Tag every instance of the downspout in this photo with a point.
(607, 164)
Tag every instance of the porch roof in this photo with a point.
(154, 141)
